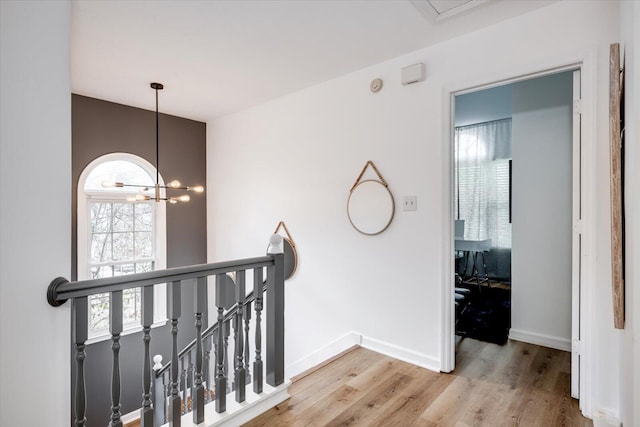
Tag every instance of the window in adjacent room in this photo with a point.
(482, 181)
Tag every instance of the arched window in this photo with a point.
(118, 235)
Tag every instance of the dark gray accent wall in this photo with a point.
(101, 127)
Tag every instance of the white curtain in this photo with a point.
(482, 153)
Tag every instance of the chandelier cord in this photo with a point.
(157, 142)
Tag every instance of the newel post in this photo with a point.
(275, 313)
(159, 398)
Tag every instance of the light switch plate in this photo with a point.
(410, 203)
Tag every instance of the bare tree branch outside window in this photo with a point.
(121, 242)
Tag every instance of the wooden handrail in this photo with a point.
(60, 289)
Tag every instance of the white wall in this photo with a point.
(630, 355)
(295, 158)
(35, 211)
(542, 208)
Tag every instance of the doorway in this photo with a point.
(517, 198)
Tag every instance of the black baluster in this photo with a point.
(225, 352)
(221, 380)
(190, 372)
(80, 318)
(173, 312)
(247, 351)
(189, 383)
(206, 368)
(239, 371)
(115, 327)
(197, 394)
(146, 412)
(257, 362)
(167, 390)
(183, 384)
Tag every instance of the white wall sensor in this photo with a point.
(412, 74)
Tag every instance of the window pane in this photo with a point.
(502, 204)
(99, 312)
(122, 217)
(100, 217)
(117, 171)
(131, 306)
(100, 247)
(144, 245)
(100, 272)
(142, 267)
(144, 216)
(122, 246)
(482, 181)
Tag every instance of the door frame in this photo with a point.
(587, 66)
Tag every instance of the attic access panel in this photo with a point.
(442, 6)
(438, 10)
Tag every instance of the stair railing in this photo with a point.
(238, 318)
(169, 400)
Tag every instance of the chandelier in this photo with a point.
(173, 185)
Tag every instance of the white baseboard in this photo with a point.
(240, 413)
(401, 353)
(131, 416)
(540, 339)
(330, 350)
(355, 338)
(605, 418)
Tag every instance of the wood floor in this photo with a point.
(514, 385)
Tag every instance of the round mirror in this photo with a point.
(290, 258)
(229, 286)
(370, 207)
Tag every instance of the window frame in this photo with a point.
(84, 234)
(482, 156)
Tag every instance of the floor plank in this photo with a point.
(516, 384)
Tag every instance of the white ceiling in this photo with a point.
(218, 57)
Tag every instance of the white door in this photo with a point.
(577, 238)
